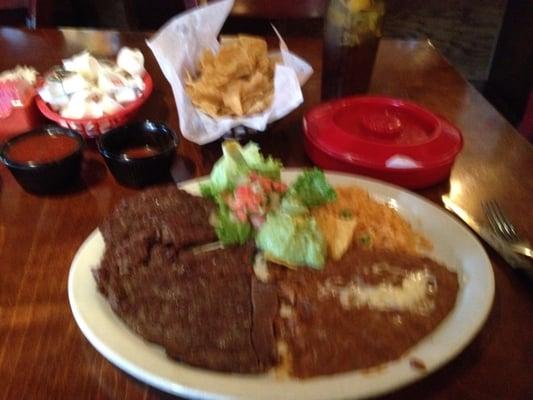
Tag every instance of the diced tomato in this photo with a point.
(279, 186)
(248, 197)
(254, 199)
(266, 183)
(245, 200)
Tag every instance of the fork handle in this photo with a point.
(521, 249)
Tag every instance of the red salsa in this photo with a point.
(42, 148)
(140, 152)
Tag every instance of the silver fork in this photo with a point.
(503, 228)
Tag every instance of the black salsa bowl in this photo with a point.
(139, 154)
(45, 160)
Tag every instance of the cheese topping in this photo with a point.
(411, 295)
(286, 311)
(261, 268)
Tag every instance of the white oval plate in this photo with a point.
(454, 245)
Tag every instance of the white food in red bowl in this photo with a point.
(93, 96)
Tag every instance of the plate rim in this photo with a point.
(177, 388)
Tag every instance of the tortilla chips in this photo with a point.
(237, 81)
(338, 227)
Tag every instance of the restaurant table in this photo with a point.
(43, 354)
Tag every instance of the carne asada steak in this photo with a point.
(197, 306)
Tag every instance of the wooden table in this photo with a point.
(43, 353)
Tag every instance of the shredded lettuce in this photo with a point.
(290, 234)
(229, 230)
(232, 169)
(235, 165)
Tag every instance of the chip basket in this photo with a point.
(92, 127)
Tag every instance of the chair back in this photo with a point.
(255, 16)
(19, 12)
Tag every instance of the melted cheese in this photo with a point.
(411, 295)
(286, 311)
(261, 268)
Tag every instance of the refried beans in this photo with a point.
(324, 336)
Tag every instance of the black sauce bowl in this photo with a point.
(49, 176)
(139, 171)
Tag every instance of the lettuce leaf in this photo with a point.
(290, 235)
(312, 189)
(235, 165)
(293, 240)
(292, 205)
(269, 167)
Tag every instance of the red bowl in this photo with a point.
(91, 127)
(368, 134)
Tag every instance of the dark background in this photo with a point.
(488, 41)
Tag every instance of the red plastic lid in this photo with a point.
(382, 134)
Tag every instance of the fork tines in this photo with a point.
(499, 222)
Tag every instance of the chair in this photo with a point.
(526, 126)
(303, 17)
(294, 9)
(251, 16)
(29, 13)
(510, 84)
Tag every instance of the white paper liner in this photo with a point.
(179, 44)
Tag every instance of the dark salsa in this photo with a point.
(140, 152)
